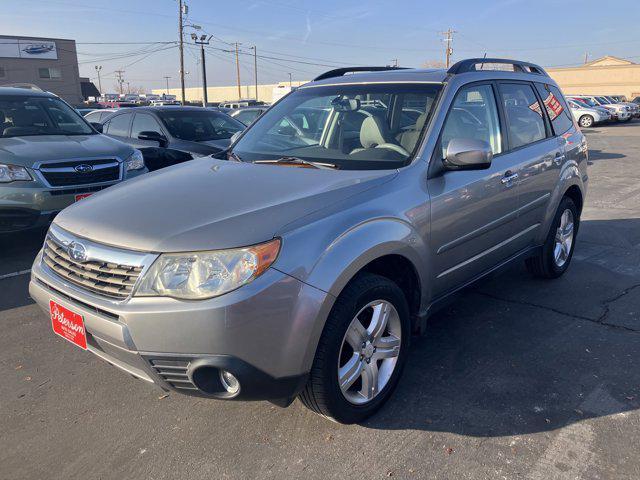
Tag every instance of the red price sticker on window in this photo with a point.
(554, 107)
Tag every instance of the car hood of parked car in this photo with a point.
(27, 150)
(209, 204)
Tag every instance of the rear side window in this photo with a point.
(473, 115)
(556, 108)
(119, 125)
(525, 122)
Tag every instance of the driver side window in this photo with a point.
(473, 115)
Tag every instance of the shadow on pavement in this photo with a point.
(514, 355)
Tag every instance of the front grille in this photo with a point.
(173, 371)
(104, 278)
(64, 174)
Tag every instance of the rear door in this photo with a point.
(535, 153)
(473, 212)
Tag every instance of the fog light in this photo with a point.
(229, 382)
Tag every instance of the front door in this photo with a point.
(473, 212)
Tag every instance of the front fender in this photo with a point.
(341, 259)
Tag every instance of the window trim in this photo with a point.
(548, 131)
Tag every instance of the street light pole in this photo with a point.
(202, 42)
(98, 68)
(290, 84)
(166, 78)
(255, 67)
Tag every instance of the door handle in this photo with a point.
(559, 158)
(509, 177)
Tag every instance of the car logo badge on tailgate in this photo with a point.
(77, 252)
(83, 168)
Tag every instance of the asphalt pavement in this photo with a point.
(518, 379)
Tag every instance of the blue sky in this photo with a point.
(308, 37)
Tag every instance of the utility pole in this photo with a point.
(166, 78)
(202, 42)
(128, 87)
(290, 84)
(120, 79)
(586, 57)
(238, 71)
(181, 12)
(98, 68)
(448, 39)
(255, 68)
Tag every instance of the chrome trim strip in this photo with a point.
(98, 252)
(73, 170)
(37, 170)
(493, 224)
(371, 83)
(488, 251)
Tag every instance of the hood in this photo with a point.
(210, 204)
(27, 150)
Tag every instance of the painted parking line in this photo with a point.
(15, 274)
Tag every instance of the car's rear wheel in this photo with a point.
(586, 121)
(361, 352)
(556, 253)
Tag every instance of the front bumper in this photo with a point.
(263, 333)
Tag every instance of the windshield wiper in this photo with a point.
(299, 161)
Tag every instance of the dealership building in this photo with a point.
(49, 63)
(605, 76)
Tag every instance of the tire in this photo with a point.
(551, 262)
(323, 393)
(586, 121)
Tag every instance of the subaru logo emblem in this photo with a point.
(77, 251)
(83, 168)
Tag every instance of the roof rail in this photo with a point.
(470, 65)
(339, 72)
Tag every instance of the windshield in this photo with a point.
(586, 101)
(353, 127)
(603, 100)
(199, 126)
(27, 116)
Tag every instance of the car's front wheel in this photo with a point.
(361, 352)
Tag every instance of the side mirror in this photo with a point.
(153, 137)
(97, 126)
(468, 154)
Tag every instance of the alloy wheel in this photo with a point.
(564, 238)
(369, 352)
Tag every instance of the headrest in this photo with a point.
(373, 131)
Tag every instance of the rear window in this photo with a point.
(556, 108)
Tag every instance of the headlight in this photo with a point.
(13, 173)
(200, 275)
(135, 161)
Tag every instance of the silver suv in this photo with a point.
(301, 264)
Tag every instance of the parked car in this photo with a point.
(621, 113)
(50, 157)
(241, 104)
(100, 115)
(633, 107)
(170, 135)
(247, 115)
(587, 116)
(302, 265)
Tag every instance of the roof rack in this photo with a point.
(470, 65)
(339, 72)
